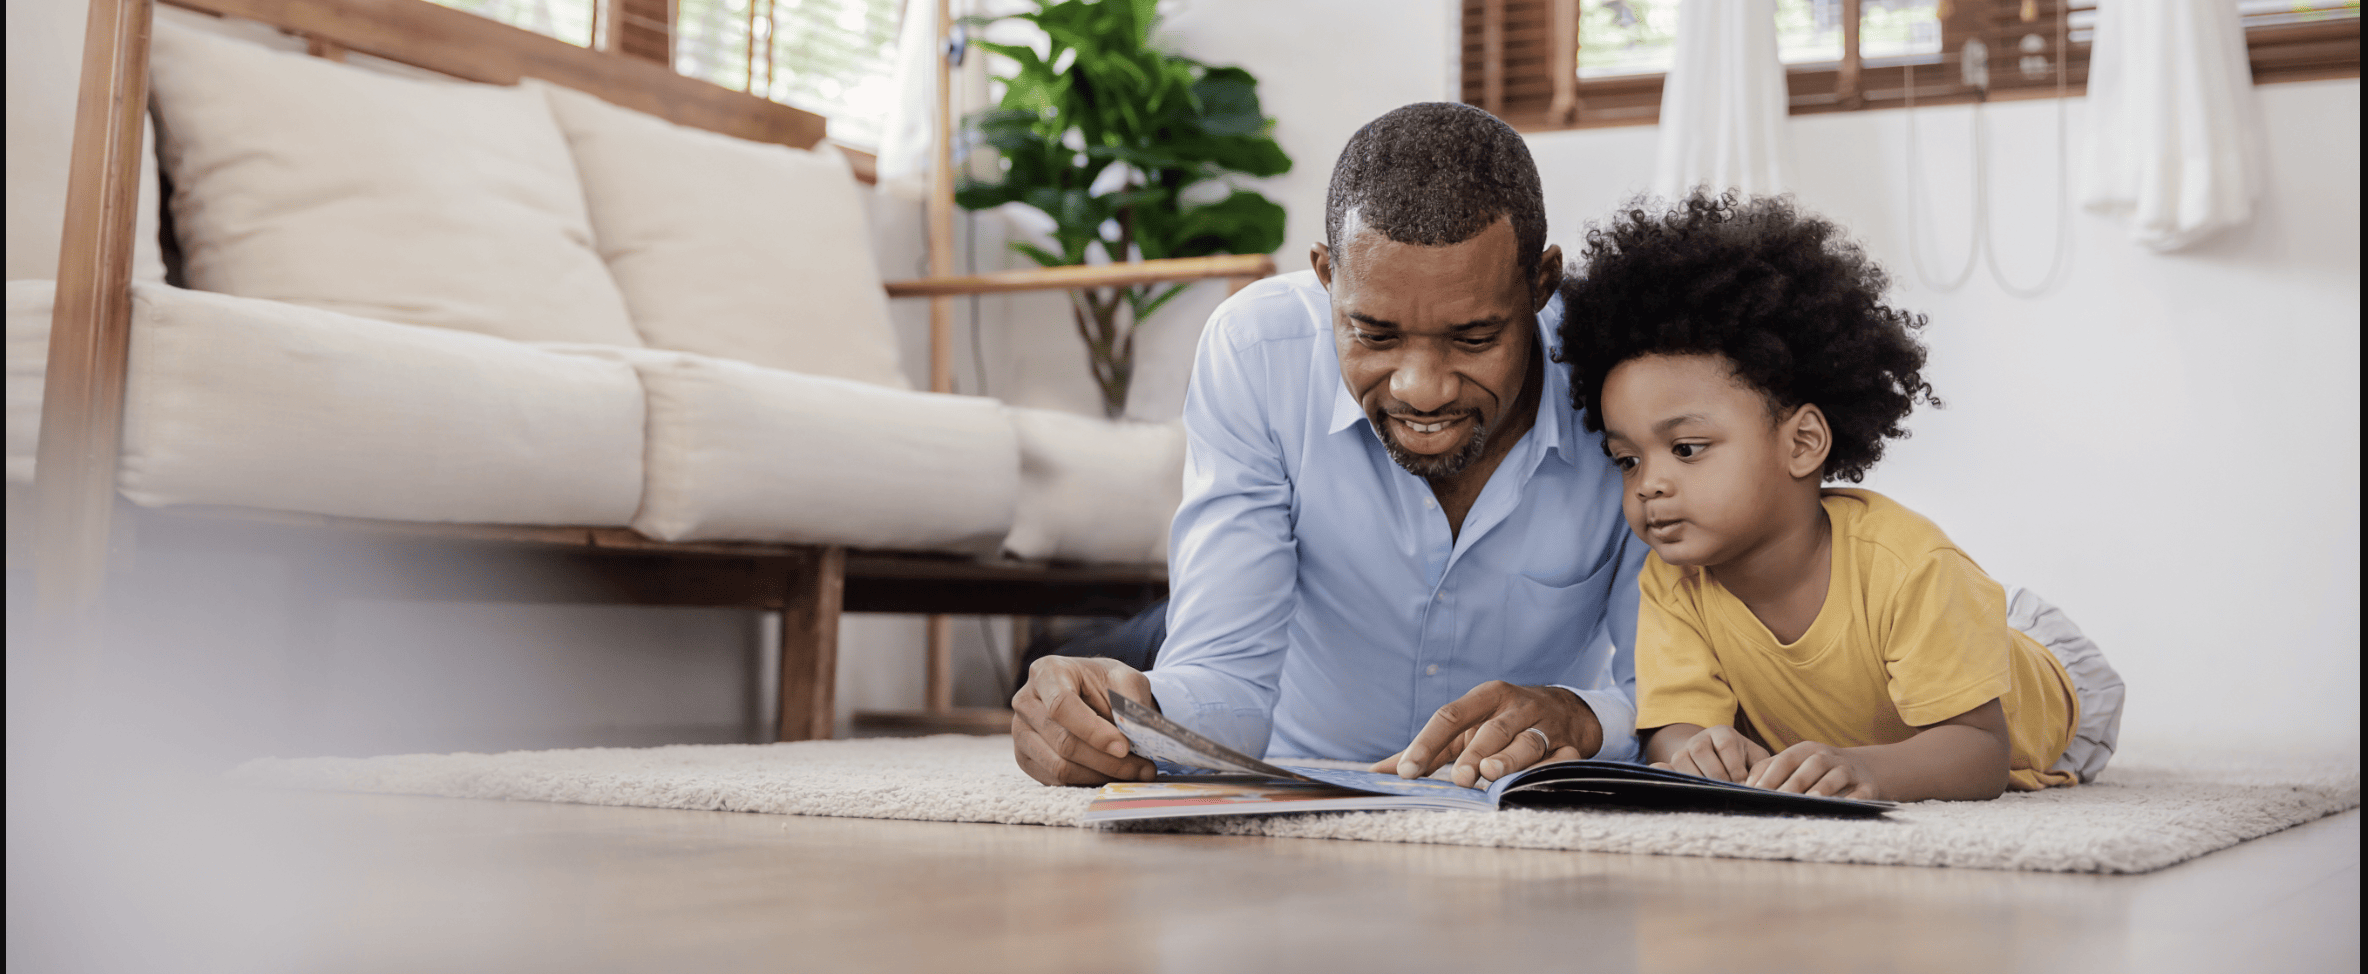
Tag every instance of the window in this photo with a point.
(1958, 51)
(830, 57)
(569, 20)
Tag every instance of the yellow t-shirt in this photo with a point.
(1912, 633)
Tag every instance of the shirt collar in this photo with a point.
(1555, 426)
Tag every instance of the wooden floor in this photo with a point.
(333, 883)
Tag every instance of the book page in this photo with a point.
(1152, 735)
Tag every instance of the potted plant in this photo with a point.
(1118, 142)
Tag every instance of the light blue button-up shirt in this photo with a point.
(1320, 606)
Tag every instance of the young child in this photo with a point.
(1737, 356)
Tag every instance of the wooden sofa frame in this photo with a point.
(78, 519)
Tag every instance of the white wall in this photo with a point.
(2167, 446)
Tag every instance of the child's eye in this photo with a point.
(1688, 451)
(1624, 463)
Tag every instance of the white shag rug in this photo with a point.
(2149, 809)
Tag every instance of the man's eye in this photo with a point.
(1374, 337)
(1688, 451)
(1476, 344)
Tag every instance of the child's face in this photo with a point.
(1703, 466)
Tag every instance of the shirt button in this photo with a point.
(1442, 596)
(1431, 670)
(1429, 503)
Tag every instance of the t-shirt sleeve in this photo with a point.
(1949, 649)
(1678, 680)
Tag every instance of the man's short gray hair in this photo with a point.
(1437, 173)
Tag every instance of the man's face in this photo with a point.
(1702, 463)
(1435, 342)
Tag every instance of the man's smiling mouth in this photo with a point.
(1430, 426)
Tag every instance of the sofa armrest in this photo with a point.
(1242, 268)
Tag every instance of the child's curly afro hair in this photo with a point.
(1784, 296)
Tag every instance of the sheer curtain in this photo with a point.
(2170, 145)
(1723, 106)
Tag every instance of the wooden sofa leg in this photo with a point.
(810, 644)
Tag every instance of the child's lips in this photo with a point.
(1663, 526)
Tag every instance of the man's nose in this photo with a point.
(1424, 383)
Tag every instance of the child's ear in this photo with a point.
(1807, 439)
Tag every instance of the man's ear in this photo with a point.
(1807, 441)
(1548, 280)
(1320, 258)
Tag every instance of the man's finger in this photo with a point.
(1089, 724)
(1041, 763)
(1429, 749)
(1493, 736)
(1388, 765)
(1524, 750)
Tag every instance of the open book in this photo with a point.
(1200, 777)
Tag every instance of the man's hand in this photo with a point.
(1486, 733)
(1060, 724)
(1718, 751)
(1811, 768)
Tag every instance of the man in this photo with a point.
(1396, 540)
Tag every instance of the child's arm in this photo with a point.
(1962, 758)
(1719, 751)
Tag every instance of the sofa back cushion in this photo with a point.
(44, 81)
(730, 248)
(436, 203)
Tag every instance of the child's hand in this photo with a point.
(1720, 752)
(1811, 768)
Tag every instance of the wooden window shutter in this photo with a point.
(1520, 59)
(641, 29)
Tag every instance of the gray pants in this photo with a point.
(2094, 682)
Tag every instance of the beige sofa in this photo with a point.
(412, 299)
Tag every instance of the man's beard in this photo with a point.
(1435, 466)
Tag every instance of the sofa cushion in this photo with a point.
(252, 403)
(426, 202)
(739, 452)
(44, 82)
(1094, 490)
(731, 248)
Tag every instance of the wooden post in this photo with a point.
(90, 330)
(940, 686)
(1492, 56)
(941, 212)
(1564, 62)
(1846, 81)
(941, 665)
(810, 645)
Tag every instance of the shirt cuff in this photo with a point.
(1617, 716)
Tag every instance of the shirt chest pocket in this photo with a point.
(1547, 625)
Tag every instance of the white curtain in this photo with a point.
(2170, 144)
(1723, 106)
(905, 135)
